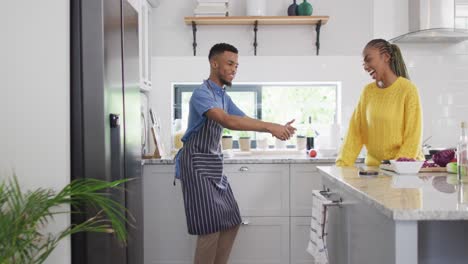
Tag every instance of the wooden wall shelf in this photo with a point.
(262, 20)
(318, 21)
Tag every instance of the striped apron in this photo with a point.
(210, 205)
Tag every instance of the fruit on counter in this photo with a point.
(452, 167)
(312, 153)
(428, 164)
(443, 157)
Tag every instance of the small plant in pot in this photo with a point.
(244, 141)
(226, 140)
(25, 214)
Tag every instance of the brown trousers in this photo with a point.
(215, 248)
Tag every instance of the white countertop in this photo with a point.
(423, 196)
(255, 158)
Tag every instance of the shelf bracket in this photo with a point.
(255, 44)
(317, 30)
(194, 44)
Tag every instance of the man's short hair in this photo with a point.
(220, 48)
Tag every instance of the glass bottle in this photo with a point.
(462, 148)
(310, 135)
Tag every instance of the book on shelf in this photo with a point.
(212, 15)
(213, 1)
(208, 10)
(213, 4)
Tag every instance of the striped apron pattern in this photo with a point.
(210, 205)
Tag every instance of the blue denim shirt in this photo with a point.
(209, 95)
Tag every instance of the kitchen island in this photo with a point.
(391, 218)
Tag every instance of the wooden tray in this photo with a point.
(389, 167)
(433, 169)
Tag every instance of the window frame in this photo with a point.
(256, 87)
(180, 88)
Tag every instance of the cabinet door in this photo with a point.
(304, 179)
(144, 23)
(260, 189)
(166, 240)
(262, 240)
(300, 235)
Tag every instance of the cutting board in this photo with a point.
(389, 167)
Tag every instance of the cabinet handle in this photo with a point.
(245, 222)
(243, 168)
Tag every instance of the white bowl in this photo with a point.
(327, 152)
(406, 167)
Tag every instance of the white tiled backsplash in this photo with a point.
(442, 81)
(443, 87)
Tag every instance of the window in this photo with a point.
(277, 103)
(461, 14)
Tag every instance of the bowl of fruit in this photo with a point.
(406, 165)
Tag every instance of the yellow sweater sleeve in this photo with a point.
(352, 143)
(411, 146)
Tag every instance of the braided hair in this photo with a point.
(397, 64)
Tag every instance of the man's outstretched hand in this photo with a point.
(283, 132)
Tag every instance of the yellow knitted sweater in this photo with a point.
(387, 122)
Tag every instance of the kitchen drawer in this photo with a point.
(166, 240)
(304, 179)
(300, 235)
(262, 240)
(260, 189)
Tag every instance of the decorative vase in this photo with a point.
(256, 7)
(304, 9)
(292, 9)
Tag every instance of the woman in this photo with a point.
(388, 118)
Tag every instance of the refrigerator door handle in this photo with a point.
(116, 165)
(144, 134)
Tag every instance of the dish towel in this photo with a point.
(317, 246)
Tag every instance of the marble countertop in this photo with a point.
(422, 196)
(259, 159)
(266, 156)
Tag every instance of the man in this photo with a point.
(210, 208)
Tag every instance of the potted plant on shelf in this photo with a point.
(226, 140)
(244, 141)
(25, 214)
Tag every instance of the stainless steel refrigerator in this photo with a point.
(105, 118)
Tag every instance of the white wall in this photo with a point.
(34, 100)
(349, 28)
(439, 70)
(386, 28)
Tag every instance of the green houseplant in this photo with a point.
(25, 214)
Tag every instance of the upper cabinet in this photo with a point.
(255, 21)
(145, 43)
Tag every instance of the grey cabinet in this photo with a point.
(166, 240)
(260, 189)
(304, 178)
(144, 23)
(275, 205)
(300, 228)
(262, 240)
